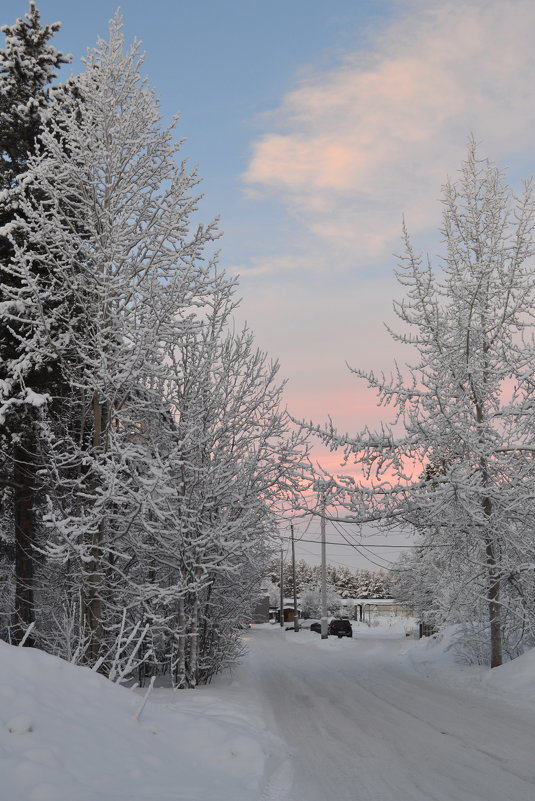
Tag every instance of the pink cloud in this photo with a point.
(378, 130)
(288, 161)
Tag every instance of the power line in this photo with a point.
(351, 538)
(309, 552)
(368, 544)
(387, 566)
(363, 555)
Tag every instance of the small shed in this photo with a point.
(288, 611)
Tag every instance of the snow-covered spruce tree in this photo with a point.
(469, 401)
(380, 584)
(359, 583)
(28, 65)
(304, 574)
(107, 210)
(343, 583)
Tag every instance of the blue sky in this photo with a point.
(221, 64)
(315, 126)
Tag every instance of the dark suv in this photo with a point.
(341, 627)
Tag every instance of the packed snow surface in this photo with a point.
(380, 717)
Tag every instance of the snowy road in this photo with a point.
(359, 726)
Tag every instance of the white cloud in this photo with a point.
(360, 145)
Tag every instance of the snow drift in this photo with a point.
(69, 734)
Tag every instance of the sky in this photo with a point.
(317, 127)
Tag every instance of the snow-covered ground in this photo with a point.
(68, 734)
(381, 717)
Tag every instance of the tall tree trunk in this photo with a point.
(93, 602)
(24, 521)
(495, 609)
(193, 672)
(92, 595)
(493, 571)
(182, 641)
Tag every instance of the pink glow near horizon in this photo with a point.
(352, 150)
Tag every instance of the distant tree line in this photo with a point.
(345, 583)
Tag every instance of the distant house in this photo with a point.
(288, 611)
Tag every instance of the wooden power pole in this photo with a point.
(296, 613)
(281, 613)
(324, 632)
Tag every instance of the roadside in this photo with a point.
(371, 718)
(376, 717)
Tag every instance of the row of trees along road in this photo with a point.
(461, 473)
(143, 444)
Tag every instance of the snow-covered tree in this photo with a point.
(468, 404)
(235, 459)
(28, 65)
(379, 584)
(105, 253)
(358, 583)
(273, 592)
(311, 602)
(345, 582)
(170, 450)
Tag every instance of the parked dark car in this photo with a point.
(341, 627)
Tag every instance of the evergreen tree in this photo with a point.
(28, 65)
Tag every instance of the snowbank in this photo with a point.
(437, 657)
(433, 657)
(516, 678)
(68, 734)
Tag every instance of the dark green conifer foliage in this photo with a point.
(28, 65)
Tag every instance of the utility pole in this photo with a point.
(324, 633)
(281, 613)
(296, 613)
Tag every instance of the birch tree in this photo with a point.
(231, 458)
(468, 403)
